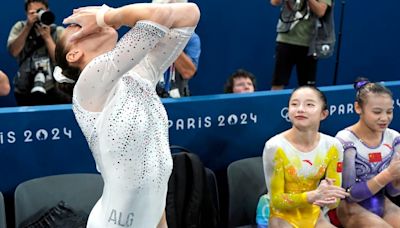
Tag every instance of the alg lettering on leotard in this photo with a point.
(118, 218)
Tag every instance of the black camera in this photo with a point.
(161, 92)
(45, 16)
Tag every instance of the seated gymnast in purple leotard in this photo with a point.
(371, 161)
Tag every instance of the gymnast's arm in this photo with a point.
(132, 48)
(361, 190)
(334, 168)
(393, 188)
(169, 15)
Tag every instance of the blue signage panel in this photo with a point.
(40, 141)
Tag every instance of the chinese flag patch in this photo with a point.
(375, 157)
(339, 167)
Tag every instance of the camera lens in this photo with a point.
(38, 83)
(46, 16)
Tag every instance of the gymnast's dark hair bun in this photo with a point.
(360, 82)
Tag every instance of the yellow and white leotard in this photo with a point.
(291, 173)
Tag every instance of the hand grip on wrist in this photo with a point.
(382, 178)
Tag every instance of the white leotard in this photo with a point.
(127, 127)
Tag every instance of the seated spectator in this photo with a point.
(241, 81)
(4, 84)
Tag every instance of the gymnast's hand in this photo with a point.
(86, 18)
(394, 167)
(327, 193)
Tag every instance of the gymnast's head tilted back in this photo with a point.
(72, 57)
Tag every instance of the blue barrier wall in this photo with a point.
(242, 34)
(46, 140)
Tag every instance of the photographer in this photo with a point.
(32, 43)
(296, 41)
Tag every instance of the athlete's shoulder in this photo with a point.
(275, 141)
(392, 133)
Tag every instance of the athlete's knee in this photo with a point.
(278, 223)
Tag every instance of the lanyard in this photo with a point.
(168, 77)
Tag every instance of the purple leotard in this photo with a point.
(361, 163)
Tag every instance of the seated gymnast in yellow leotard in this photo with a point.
(303, 166)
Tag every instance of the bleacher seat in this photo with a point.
(246, 183)
(79, 191)
(3, 223)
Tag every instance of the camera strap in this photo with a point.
(36, 45)
(28, 55)
(294, 10)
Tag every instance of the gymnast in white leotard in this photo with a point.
(116, 105)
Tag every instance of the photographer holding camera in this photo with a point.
(32, 43)
(305, 33)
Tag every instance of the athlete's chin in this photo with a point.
(302, 125)
(381, 128)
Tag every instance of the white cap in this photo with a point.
(59, 77)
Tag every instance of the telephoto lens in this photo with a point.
(38, 83)
(46, 16)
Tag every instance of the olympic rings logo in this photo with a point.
(285, 114)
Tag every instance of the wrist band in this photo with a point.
(382, 177)
(377, 182)
(100, 16)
